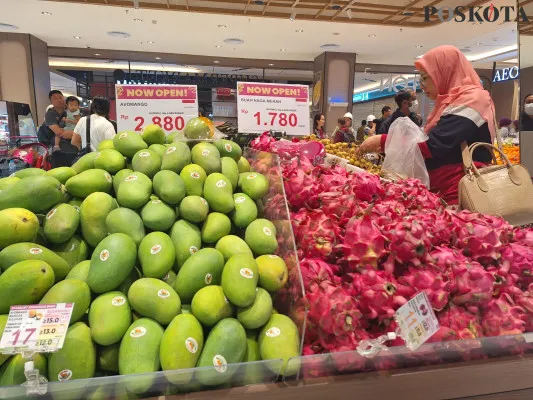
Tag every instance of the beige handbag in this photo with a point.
(501, 190)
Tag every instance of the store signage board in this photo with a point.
(271, 106)
(169, 106)
(36, 328)
(506, 74)
(417, 321)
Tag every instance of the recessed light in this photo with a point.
(299, 30)
(259, 2)
(329, 46)
(222, 26)
(150, 42)
(46, 13)
(8, 26)
(270, 65)
(77, 37)
(282, 49)
(158, 58)
(137, 20)
(216, 62)
(335, 7)
(233, 41)
(419, 46)
(119, 34)
(371, 36)
(97, 54)
(218, 46)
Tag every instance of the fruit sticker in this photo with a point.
(220, 363)
(228, 147)
(240, 199)
(35, 250)
(206, 152)
(130, 178)
(51, 213)
(208, 279)
(123, 135)
(108, 177)
(156, 248)
(221, 183)
(171, 149)
(118, 301)
(193, 249)
(163, 293)
(144, 154)
(191, 344)
(195, 175)
(273, 332)
(64, 375)
(267, 231)
(104, 255)
(138, 332)
(247, 273)
(251, 176)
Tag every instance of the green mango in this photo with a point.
(61, 223)
(90, 181)
(37, 194)
(260, 235)
(109, 318)
(219, 193)
(12, 372)
(215, 227)
(176, 157)
(124, 220)
(110, 160)
(187, 240)
(70, 291)
(146, 161)
(279, 338)
(85, 162)
(239, 280)
(245, 211)
(153, 134)
(169, 187)
(62, 174)
(134, 191)
(228, 148)
(18, 225)
(206, 156)
(158, 216)
(194, 177)
(194, 209)
(230, 245)
(154, 299)
(129, 143)
(26, 172)
(210, 305)
(73, 252)
(93, 214)
(157, 255)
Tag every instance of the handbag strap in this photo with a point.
(88, 133)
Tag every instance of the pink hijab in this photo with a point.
(458, 85)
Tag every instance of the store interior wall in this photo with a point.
(526, 87)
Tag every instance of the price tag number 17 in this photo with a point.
(25, 336)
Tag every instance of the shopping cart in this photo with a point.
(29, 155)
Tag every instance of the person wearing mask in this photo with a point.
(385, 114)
(526, 119)
(463, 112)
(407, 107)
(100, 128)
(505, 127)
(350, 132)
(318, 126)
(370, 129)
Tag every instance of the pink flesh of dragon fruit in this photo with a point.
(429, 281)
(471, 284)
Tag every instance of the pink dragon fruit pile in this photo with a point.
(366, 247)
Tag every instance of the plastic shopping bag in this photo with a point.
(402, 154)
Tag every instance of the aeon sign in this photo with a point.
(399, 82)
(506, 74)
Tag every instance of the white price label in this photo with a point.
(417, 321)
(271, 106)
(169, 106)
(39, 328)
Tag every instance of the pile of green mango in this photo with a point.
(163, 250)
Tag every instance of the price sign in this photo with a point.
(271, 106)
(417, 321)
(169, 106)
(36, 328)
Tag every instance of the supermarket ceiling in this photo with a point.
(379, 31)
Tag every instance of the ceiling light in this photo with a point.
(371, 36)
(259, 2)
(97, 54)
(46, 13)
(218, 46)
(270, 65)
(222, 26)
(158, 58)
(419, 46)
(137, 20)
(282, 49)
(492, 53)
(335, 7)
(299, 30)
(151, 42)
(479, 44)
(216, 62)
(329, 46)
(293, 16)
(349, 13)
(8, 26)
(77, 37)
(119, 34)
(233, 41)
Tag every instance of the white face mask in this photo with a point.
(528, 108)
(414, 106)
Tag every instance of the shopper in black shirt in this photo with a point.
(385, 114)
(407, 107)
(526, 118)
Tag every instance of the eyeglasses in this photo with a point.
(422, 80)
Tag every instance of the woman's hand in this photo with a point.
(371, 145)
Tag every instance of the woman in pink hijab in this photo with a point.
(464, 112)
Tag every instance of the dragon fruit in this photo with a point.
(409, 242)
(502, 317)
(431, 282)
(471, 285)
(315, 233)
(317, 273)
